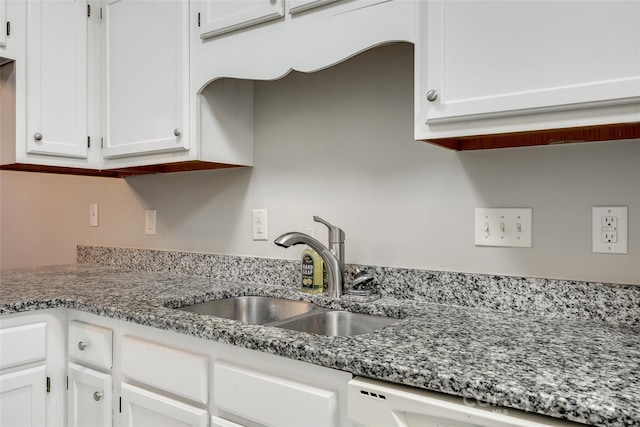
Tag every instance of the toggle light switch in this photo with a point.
(509, 227)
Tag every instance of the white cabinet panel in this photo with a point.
(221, 422)
(57, 78)
(23, 398)
(89, 399)
(3, 23)
(146, 87)
(174, 370)
(297, 6)
(91, 343)
(494, 59)
(274, 401)
(223, 16)
(23, 344)
(142, 408)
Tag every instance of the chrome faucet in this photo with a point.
(333, 255)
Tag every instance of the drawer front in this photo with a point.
(90, 343)
(268, 399)
(176, 371)
(23, 344)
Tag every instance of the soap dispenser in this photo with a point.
(312, 270)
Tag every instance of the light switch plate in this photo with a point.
(93, 215)
(150, 222)
(609, 229)
(508, 227)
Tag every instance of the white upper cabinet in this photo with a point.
(3, 24)
(482, 66)
(57, 100)
(265, 40)
(223, 16)
(146, 84)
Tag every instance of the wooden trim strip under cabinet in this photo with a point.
(541, 137)
(194, 165)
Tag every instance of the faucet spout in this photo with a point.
(334, 265)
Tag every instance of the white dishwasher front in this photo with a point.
(373, 403)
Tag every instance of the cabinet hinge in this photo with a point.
(198, 19)
(88, 142)
(8, 28)
(48, 385)
(88, 11)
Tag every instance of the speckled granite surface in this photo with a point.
(551, 298)
(582, 370)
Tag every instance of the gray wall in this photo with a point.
(339, 144)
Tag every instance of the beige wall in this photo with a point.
(339, 144)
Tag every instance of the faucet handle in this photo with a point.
(334, 231)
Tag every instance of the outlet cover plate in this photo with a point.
(507, 227)
(609, 229)
(259, 224)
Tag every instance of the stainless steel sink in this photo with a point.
(338, 323)
(252, 309)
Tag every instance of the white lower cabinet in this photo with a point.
(23, 386)
(90, 397)
(32, 369)
(89, 388)
(272, 400)
(22, 398)
(122, 374)
(221, 422)
(143, 408)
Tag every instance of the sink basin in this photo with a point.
(338, 323)
(252, 309)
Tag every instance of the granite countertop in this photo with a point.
(581, 370)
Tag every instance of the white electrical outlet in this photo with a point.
(509, 227)
(609, 229)
(93, 215)
(150, 222)
(259, 221)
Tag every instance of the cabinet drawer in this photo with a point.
(23, 344)
(90, 343)
(267, 399)
(176, 371)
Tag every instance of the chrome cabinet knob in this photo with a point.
(97, 396)
(37, 137)
(177, 132)
(82, 345)
(432, 95)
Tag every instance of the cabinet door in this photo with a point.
(146, 77)
(57, 99)
(490, 59)
(297, 6)
(89, 398)
(3, 23)
(223, 16)
(221, 422)
(271, 398)
(142, 408)
(23, 398)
